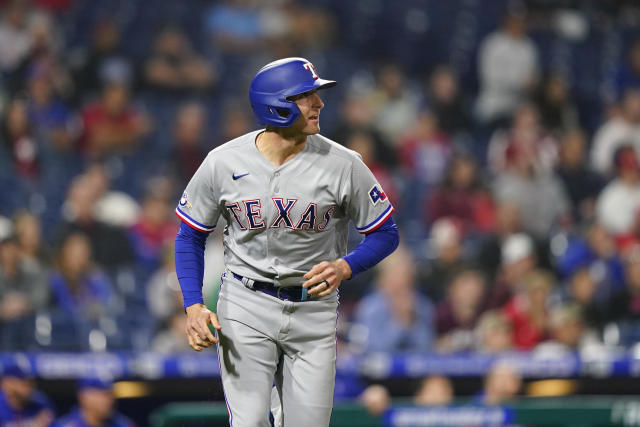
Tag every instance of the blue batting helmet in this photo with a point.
(275, 83)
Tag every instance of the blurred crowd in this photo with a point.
(517, 191)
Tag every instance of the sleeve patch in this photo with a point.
(184, 201)
(376, 194)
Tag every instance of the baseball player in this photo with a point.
(287, 195)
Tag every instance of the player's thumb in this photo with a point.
(214, 321)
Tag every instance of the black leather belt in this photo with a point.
(289, 293)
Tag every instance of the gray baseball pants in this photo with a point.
(264, 339)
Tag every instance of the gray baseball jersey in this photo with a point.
(281, 221)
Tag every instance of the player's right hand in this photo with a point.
(199, 317)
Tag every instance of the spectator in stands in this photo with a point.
(625, 305)
(170, 339)
(23, 292)
(582, 184)
(446, 258)
(395, 106)
(525, 185)
(527, 310)
(188, 139)
(619, 130)
(619, 202)
(494, 332)
(358, 117)
(20, 403)
(109, 244)
(236, 27)
(103, 61)
(558, 112)
(395, 316)
(518, 259)
(501, 384)
(597, 252)
(462, 197)
(28, 232)
(425, 151)
(96, 406)
(568, 332)
(526, 138)
(51, 118)
(23, 285)
(581, 290)
(446, 101)
(154, 230)
(434, 390)
(18, 136)
(112, 125)
(457, 315)
(235, 121)
(627, 75)
(507, 68)
(15, 38)
(81, 292)
(508, 222)
(363, 143)
(175, 67)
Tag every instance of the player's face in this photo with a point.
(309, 104)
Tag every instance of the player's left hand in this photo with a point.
(325, 277)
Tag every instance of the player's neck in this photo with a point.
(91, 418)
(278, 147)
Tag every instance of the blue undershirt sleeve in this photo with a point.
(189, 256)
(374, 247)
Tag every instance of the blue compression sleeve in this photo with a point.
(190, 263)
(374, 248)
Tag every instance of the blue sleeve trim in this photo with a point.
(189, 256)
(376, 246)
(377, 222)
(192, 222)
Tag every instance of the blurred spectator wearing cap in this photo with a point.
(102, 61)
(507, 67)
(96, 406)
(445, 258)
(20, 403)
(112, 125)
(395, 316)
(494, 333)
(457, 315)
(175, 67)
(461, 196)
(81, 292)
(623, 128)
(23, 292)
(28, 231)
(525, 139)
(529, 187)
(582, 184)
(527, 309)
(619, 202)
(518, 259)
(598, 253)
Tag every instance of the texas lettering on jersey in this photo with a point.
(247, 214)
